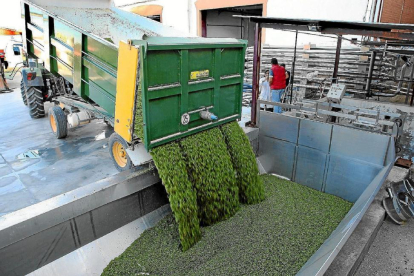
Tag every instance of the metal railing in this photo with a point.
(375, 120)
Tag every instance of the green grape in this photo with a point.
(251, 190)
(274, 237)
(183, 200)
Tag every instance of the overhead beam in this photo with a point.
(389, 43)
(391, 34)
(381, 34)
(330, 24)
(284, 27)
(380, 30)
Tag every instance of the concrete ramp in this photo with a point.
(35, 236)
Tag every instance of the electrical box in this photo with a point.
(336, 93)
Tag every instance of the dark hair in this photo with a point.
(283, 65)
(274, 61)
(267, 70)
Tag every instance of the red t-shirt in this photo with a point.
(279, 77)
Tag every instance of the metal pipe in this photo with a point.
(396, 68)
(410, 83)
(292, 75)
(373, 9)
(412, 97)
(379, 14)
(335, 72)
(371, 71)
(256, 71)
(404, 67)
(337, 57)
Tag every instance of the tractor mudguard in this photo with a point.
(32, 77)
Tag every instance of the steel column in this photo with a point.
(337, 57)
(410, 84)
(256, 70)
(371, 71)
(412, 97)
(335, 72)
(292, 75)
(204, 23)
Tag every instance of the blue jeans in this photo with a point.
(276, 96)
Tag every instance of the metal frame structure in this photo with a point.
(396, 32)
(360, 118)
(386, 44)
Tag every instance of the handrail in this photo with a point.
(14, 71)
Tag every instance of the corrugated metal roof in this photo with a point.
(329, 24)
(380, 30)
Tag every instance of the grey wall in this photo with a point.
(334, 159)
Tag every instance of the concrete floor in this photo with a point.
(63, 165)
(392, 251)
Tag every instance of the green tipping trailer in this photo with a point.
(152, 83)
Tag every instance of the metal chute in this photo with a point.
(102, 18)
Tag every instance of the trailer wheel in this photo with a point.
(117, 149)
(35, 101)
(23, 92)
(58, 122)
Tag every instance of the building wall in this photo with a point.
(176, 13)
(10, 15)
(10, 18)
(346, 10)
(398, 11)
(185, 15)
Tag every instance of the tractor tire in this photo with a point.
(117, 148)
(23, 92)
(35, 101)
(58, 122)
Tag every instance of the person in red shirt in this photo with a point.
(277, 81)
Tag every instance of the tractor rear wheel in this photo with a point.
(35, 101)
(58, 122)
(117, 148)
(23, 92)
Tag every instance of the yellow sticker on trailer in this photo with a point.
(199, 74)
